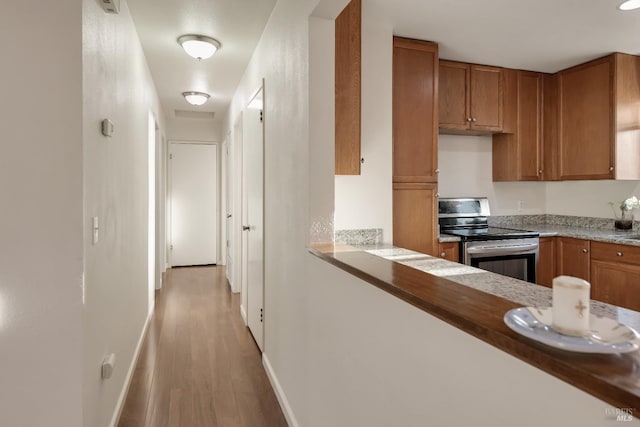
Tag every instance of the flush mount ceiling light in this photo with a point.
(199, 47)
(196, 98)
(630, 5)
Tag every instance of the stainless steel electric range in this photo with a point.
(505, 251)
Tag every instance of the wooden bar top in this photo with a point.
(613, 378)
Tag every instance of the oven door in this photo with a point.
(517, 258)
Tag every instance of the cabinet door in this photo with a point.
(529, 125)
(415, 104)
(616, 283)
(546, 261)
(454, 103)
(415, 217)
(517, 153)
(347, 89)
(573, 257)
(586, 121)
(449, 251)
(486, 98)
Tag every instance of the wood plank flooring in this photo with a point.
(199, 365)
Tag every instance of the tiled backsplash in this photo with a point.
(368, 236)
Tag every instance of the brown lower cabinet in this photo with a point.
(572, 257)
(546, 261)
(615, 274)
(449, 251)
(613, 270)
(415, 217)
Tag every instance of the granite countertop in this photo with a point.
(447, 238)
(608, 236)
(518, 291)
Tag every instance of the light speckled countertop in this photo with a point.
(609, 236)
(551, 230)
(518, 291)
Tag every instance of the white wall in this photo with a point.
(365, 200)
(117, 85)
(466, 170)
(188, 129)
(41, 228)
(588, 198)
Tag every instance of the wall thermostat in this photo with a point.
(111, 6)
(107, 127)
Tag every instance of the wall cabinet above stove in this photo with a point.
(471, 98)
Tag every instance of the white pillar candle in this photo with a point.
(570, 306)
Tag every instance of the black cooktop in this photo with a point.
(490, 233)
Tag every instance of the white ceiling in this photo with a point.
(537, 35)
(237, 24)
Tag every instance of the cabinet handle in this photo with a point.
(619, 253)
(540, 172)
(437, 171)
(469, 119)
(610, 168)
(437, 195)
(585, 250)
(443, 254)
(473, 119)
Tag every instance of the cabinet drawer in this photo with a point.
(615, 253)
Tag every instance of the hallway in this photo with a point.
(199, 365)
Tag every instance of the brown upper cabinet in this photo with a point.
(518, 155)
(415, 111)
(599, 118)
(471, 98)
(347, 89)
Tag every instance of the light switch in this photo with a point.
(95, 228)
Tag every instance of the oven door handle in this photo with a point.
(516, 249)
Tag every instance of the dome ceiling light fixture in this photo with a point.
(199, 47)
(196, 98)
(630, 5)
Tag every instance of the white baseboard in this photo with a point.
(132, 367)
(232, 287)
(282, 398)
(243, 313)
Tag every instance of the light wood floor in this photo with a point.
(199, 365)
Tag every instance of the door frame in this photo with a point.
(169, 190)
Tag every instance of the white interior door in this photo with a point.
(193, 204)
(229, 214)
(253, 211)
